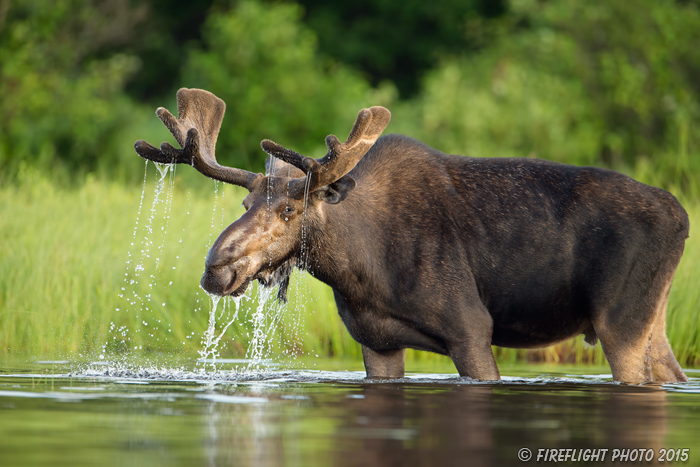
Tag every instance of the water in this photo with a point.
(307, 418)
(145, 278)
(140, 267)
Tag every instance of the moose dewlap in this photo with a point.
(446, 253)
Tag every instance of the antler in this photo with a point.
(199, 116)
(341, 157)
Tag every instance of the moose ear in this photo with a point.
(336, 191)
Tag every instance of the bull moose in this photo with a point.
(447, 253)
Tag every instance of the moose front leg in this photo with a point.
(384, 363)
(469, 344)
(475, 360)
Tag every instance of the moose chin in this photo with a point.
(446, 253)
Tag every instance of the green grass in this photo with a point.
(65, 258)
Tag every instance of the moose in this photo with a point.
(446, 253)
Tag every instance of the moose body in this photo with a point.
(452, 254)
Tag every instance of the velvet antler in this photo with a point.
(196, 129)
(341, 157)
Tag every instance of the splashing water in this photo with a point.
(145, 278)
(137, 265)
(210, 341)
(304, 240)
(256, 348)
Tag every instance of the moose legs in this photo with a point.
(664, 366)
(463, 335)
(469, 343)
(384, 363)
(475, 360)
(637, 349)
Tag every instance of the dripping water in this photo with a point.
(147, 248)
(131, 300)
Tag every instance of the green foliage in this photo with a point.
(491, 106)
(608, 83)
(264, 64)
(584, 83)
(400, 41)
(160, 41)
(57, 102)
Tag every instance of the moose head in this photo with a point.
(267, 241)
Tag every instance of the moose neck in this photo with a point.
(340, 253)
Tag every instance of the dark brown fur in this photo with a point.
(453, 254)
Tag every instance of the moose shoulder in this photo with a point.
(449, 254)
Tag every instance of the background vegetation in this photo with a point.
(613, 84)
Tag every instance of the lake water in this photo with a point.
(54, 413)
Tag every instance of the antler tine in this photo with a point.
(341, 157)
(303, 163)
(196, 129)
(369, 125)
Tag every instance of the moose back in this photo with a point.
(446, 253)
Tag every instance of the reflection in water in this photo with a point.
(404, 425)
(636, 417)
(489, 424)
(322, 419)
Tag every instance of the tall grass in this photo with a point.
(68, 254)
(69, 283)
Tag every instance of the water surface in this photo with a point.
(60, 414)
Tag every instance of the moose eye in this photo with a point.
(287, 213)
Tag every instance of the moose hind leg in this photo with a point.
(625, 332)
(384, 363)
(629, 356)
(664, 366)
(633, 336)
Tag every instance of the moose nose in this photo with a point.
(215, 279)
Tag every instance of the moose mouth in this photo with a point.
(242, 272)
(228, 279)
(240, 290)
(234, 280)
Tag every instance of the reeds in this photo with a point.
(64, 261)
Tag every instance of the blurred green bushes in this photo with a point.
(607, 83)
(59, 104)
(265, 65)
(399, 41)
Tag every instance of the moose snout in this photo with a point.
(216, 279)
(220, 266)
(225, 279)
